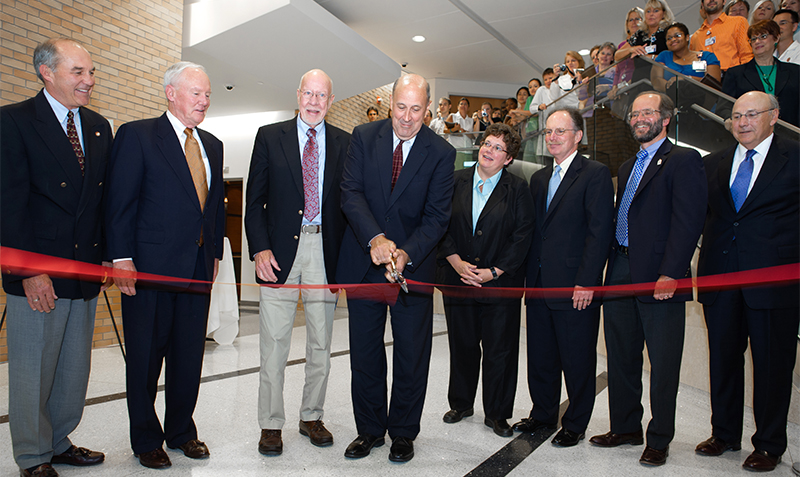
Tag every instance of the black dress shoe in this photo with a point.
(402, 449)
(194, 449)
(714, 446)
(567, 438)
(654, 457)
(78, 456)
(609, 439)
(452, 416)
(532, 425)
(761, 461)
(44, 470)
(362, 444)
(155, 459)
(270, 442)
(499, 426)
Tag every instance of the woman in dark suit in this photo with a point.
(766, 73)
(486, 246)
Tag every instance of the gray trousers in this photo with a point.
(49, 356)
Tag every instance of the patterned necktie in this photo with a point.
(311, 175)
(195, 161)
(555, 180)
(627, 198)
(397, 162)
(742, 180)
(72, 135)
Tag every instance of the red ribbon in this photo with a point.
(20, 262)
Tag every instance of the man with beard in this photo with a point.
(722, 35)
(661, 206)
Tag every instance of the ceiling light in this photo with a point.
(584, 52)
(418, 38)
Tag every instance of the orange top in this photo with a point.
(726, 37)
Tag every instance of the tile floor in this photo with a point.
(226, 419)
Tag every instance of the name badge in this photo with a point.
(699, 65)
(711, 41)
(650, 49)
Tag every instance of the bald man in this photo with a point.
(397, 190)
(294, 227)
(753, 221)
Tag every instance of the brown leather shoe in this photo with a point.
(44, 470)
(761, 461)
(194, 449)
(316, 432)
(609, 439)
(714, 446)
(78, 456)
(271, 442)
(654, 457)
(155, 459)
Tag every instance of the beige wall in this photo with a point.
(131, 43)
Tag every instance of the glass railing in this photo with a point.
(605, 100)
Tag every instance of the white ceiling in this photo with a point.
(360, 43)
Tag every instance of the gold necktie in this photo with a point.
(195, 160)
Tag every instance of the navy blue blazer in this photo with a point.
(767, 227)
(414, 215)
(743, 78)
(47, 206)
(572, 238)
(502, 235)
(666, 216)
(275, 197)
(153, 214)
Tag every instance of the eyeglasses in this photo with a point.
(750, 115)
(677, 35)
(310, 94)
(557, 131)
(762, 36)
(493, 147)
(644, 113)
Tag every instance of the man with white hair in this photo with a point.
(165, 215)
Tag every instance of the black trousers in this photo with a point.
(629, 324)
(164, 326)
(494, 328)
(412, 331)
(562, 340)
(772, 334)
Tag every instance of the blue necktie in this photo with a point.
(742, 180)
(555, 180)
(627, 198)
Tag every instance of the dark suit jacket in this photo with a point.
(152, 211)
(767, 227)
(275, 195)
(414, 215)
(47, 206)
(572, 238)
(502, 235)
(666, 216)
(743, 78)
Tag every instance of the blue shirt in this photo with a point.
(480, 197)
(61, 114)
(302, 136)
(667, 59)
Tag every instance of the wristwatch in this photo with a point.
(494, 273)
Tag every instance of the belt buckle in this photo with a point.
(310, 229)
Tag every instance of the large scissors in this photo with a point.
(398, 277)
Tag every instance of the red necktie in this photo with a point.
(311, 175)
(397, 163)
(72, 135)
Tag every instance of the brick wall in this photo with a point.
(349, 112)
(131, 43)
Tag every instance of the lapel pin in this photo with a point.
(97, 133)
(658, 163)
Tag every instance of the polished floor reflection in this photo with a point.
(227, 422)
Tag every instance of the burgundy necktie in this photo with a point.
(397, 163)
(72, 134)
(311, 175)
